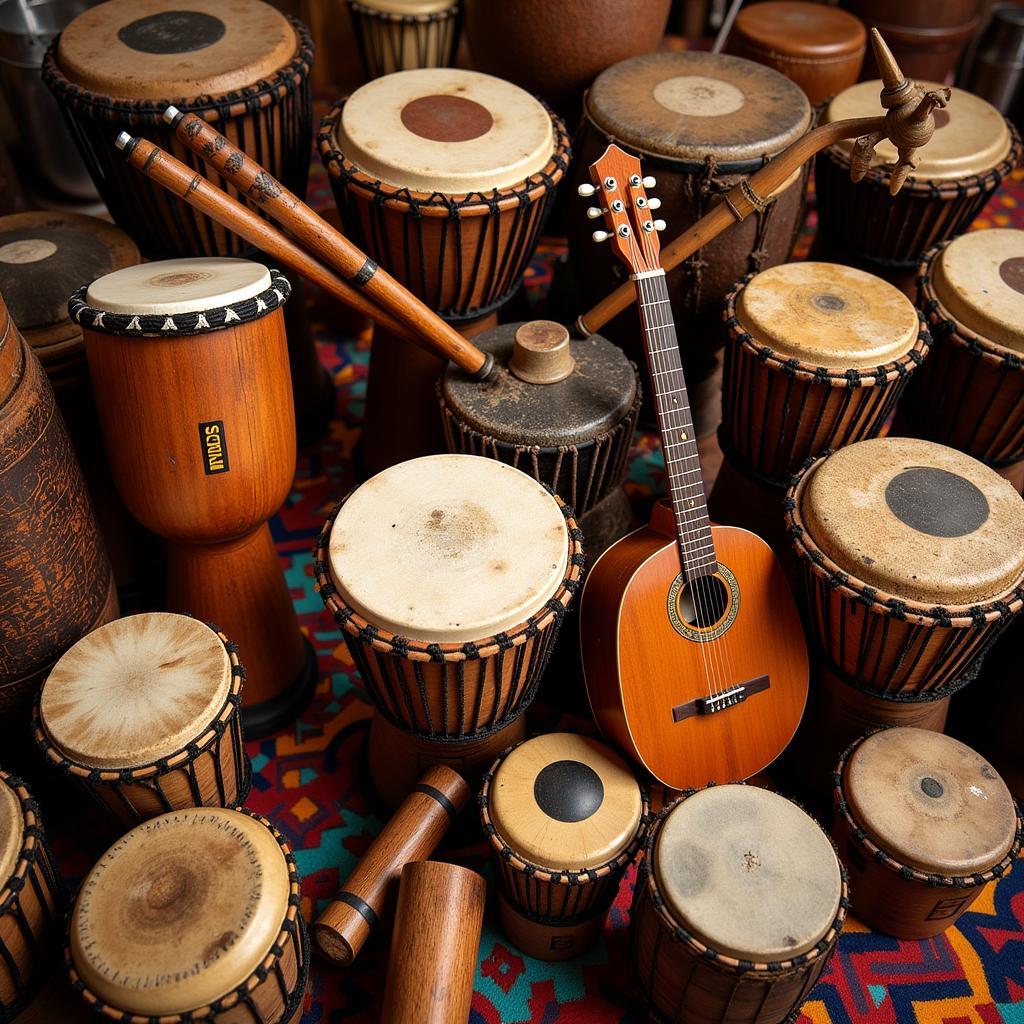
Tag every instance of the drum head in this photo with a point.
(804, 30)
(565, 802)
(728, 850)
(180, 911)
(12, 831)
(408, 8)
(930, 802)
(135, 690)
(448, 548)
(690, 105)
(150, 50)
(178, 286)
(828, 315)
(979, 278)
(445, 130)
(917, 520)
(971, 136)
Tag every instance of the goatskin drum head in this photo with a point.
(408, 8)
(12, 831)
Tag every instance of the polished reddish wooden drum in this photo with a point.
(700, 955)
(923, 824)
(143, 714)
(401, 35)
(240, 64)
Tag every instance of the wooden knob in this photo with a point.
(412, 834)
(434, 946)
(540, 353)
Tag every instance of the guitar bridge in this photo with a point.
(716, 702)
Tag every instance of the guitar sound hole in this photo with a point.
(704, 602)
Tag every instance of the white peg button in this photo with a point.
(649, 181)
(600, 236)
(586, 191)
(593, 212)
(660, 225)
(654, 203)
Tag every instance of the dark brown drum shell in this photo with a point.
(211, 771)
(777, 413)
(895, 231)
(31, 910)
(451, 690)
(56, 583)
(387, 41)
(683, 980)
(271, 120)
(895, 898)
(925, 52)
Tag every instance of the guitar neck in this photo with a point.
(672, 405)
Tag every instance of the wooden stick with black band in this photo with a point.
(324, 241)
(412, 834)
(907, 123)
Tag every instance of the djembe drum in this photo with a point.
(565, 817)
(449, 577)
(143, 714)
(189, 361)
(973, 149)
(700, 954)
(400, 35)
(970, 394)
(191, 916)
(702, 123)
(443, 177)
(923, 824)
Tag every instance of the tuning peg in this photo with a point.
(649, 181)
(593, 212)
(660, 225)
(585, 190)
(654, 203)
(600, 236)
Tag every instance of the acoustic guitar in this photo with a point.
(693, 651)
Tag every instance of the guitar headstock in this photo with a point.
(619, 187)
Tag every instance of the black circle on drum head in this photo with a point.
(932, 787)
(173, 32)
(568, 791)
(936, 502)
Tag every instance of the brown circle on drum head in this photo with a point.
(828, 302)
(936, 502)
(446, 118)
(173, 32)
(1012, 273)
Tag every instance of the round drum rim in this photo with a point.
(443, 14)
(439, 204)
(878, 855)
(293, 925)
(566, 877)
(772, 968)
(880, 602)
(33, 840)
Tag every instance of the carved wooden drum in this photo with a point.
(565, 817)
(240, 64)
(400, 35)
(973, 149)
(31, 898)
(970, 394)
(923, 824)
(700, 954)
(191, 916)
(144, 714)
(912, 558)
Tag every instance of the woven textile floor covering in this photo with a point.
(310, 780)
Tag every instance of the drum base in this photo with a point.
(739, 500)
(608, 521)
(259, 720)
(546, 941)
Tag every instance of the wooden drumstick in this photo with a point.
(325, 241)
(908, 124)
(435, 944)
(412, 834)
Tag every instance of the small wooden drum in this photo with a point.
(820, 48)
(565, 817)
(912, 558)
(400, 35)
(189, 364)
(702, 123)
(817, 355)
(31, 898)
(973, 149)
(143, 712)
(243, 66)
(923, 824)
(738, 906)
(192, 916)
(970, 395)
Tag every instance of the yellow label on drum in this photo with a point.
(215, 447)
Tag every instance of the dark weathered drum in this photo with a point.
(401, 35)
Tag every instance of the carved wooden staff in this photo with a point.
(907, 123)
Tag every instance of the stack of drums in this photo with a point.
(449, 576)
(401, 35)
(970, 394)
(816, 357)
(143, 715)
(702, 123)
(700, 954)
(923, 824)
(192, 916)
(912, 560)
(443, 177)
(565, 817)
(974, 147)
